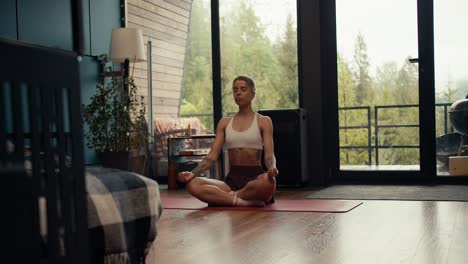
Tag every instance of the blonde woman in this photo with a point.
(246, 134)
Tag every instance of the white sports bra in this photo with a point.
(249, 138)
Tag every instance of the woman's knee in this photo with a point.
(264, 185)
(193, 186)
(266, 180)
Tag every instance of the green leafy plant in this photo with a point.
(116, 115)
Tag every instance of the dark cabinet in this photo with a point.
(289, 136)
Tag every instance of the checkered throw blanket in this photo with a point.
(123, 208)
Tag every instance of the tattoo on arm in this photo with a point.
(204, 165)
(270, 162)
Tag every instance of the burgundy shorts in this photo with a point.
(239, 176)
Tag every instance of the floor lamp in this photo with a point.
(127, 45)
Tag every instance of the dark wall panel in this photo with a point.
(8, 19)
(49, 23)
(46, 22)
(86, 28)
(317, 64)
(312, 86)
(104, 16)
(89, 76)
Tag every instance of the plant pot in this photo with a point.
(115, 159)
(139, 164)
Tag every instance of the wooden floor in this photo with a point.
(375, 232)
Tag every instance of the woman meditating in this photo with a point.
(246, 135)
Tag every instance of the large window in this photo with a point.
(378, 86)
(197, 91)
(258, 39)
(451, 76)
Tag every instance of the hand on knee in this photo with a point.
(273, 172)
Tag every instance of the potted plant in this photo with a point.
(116, 117)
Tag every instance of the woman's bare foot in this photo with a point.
(185, 176)
(236, 201)
(241, 202)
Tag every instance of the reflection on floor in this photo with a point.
(441, 170)
(380, 167)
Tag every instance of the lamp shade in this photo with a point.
(127, 43)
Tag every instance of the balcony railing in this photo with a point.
(378, 127)
(368, 124)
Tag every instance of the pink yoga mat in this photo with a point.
(309, 205)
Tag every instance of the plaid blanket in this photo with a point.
(123, 208)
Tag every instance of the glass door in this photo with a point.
(451, 84)
(378, 86)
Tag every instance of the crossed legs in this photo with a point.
(214, 192)
(262, 188)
